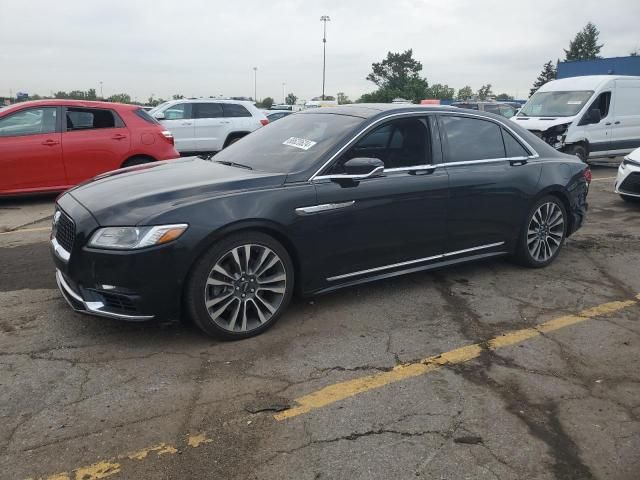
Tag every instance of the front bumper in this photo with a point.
(136, 285)
(628, 180)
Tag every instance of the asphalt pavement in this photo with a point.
(482, 371)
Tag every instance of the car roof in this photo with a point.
(211, 100)
(367, 110)
(64, 102)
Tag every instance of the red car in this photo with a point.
(52, 145)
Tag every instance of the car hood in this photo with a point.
(131, 195)
(541, 123)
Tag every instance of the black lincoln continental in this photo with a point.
(320, 200)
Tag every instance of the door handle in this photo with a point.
(518, 161)
(186, 123)
(50, 143)
(608, 123)
(617, 123)
(119, 136)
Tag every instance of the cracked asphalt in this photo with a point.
(78, 394)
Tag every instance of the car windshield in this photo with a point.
(555, 104)
(291, 144)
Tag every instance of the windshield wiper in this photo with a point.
(233, 164)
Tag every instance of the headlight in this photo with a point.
(130, 238)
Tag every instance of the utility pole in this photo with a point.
(255, 84)
(324, 19)
(284, 99)
(101, 95)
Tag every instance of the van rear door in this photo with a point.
(626, 116)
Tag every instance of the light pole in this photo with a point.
(284, 99)
(324, 19)
(101, 96)
(255, 84)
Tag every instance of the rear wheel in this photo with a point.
(137, 160)
(543, 233)
(241, 286)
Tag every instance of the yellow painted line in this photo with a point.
(603, 178)
(23, 230)
(349, 388)
(112, 466)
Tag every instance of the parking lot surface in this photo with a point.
(483, 371)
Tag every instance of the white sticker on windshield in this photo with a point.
(302, 143)
(574, 102)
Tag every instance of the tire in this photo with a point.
(630, 199)
(543, 233)
(580, 151)
(138, 160)
(225, 299)
(233, 138)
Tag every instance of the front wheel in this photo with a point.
(580, 151)
(241, 286)
(630, 199)
(543, 233)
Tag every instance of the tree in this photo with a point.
(177, 96)
(291, 99)
(343, 99)
(547, 74)
(267, 102)
(634, 53)
(441, 92)
(484, 92)
(465, 93)
(504, 97)
(91, 94)
(120, 98)
(396, 76)
(585, 44)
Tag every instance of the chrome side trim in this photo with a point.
(533, 152)
(60, 252)
(94, 308)
(325, 207)
(411, 262)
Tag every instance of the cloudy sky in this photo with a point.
(209, 47)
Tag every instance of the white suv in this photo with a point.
(208, 125)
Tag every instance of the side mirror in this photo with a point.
(364, 167)
(159, 116)
(594, 115)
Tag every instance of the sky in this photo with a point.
(202, 48)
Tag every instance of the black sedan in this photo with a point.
(320, 200)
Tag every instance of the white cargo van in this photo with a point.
(592, 116)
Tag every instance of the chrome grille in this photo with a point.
(65, 230)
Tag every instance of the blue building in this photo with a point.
(601, 66)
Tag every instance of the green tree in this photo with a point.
(504, 97)
(396, 76)
(120, 98)
(465, 93)
(343, 99)
(291, 99)
(547, 74)
(484, 92)
(91, 94)
(267, 102)
(634, 53)
(585, 44)
(178, 96)
(441, 92)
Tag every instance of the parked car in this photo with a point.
(628, 179)
(320, 200)
(51, 145)
(592, 116)
(208, 125)
(499, 108)
(274, 115)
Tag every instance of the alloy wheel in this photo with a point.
(245, 288)
(545, 232)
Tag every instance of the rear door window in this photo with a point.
(33, 121)
(207, 110)
(91, 118)
(471, 139)
(235, 110)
